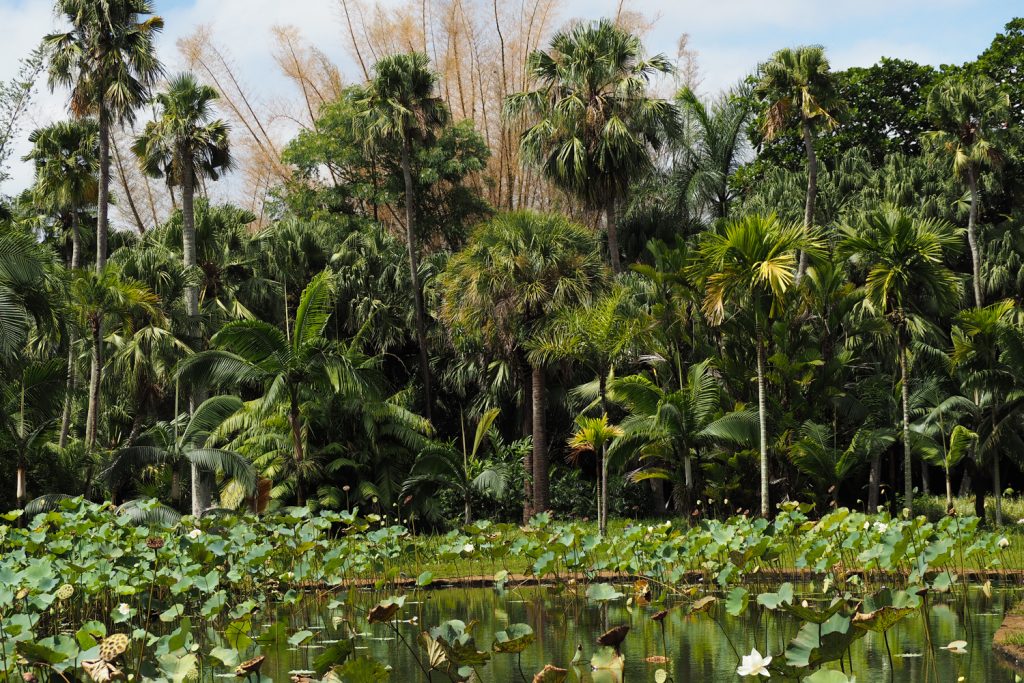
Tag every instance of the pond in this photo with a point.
(699, 646)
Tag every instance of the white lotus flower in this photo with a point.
(1004, 542)
(468, 548)
(194, 534)
(124, 609)
(754, 664)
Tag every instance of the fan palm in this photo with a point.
(798, 88)
(602, 335)
(752, 262)
(400, 105)
(669, 429)
(516, 269)
(185, 440)
(904, 257)
(256, 353)
(108, 60)
(65, 158)
(968, 114)
(593, 123)
(462, 471)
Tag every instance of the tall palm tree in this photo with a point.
(669, 429)
(183, 145)
(65, 158)
(256, 353)
(99, 296)
(400, 106)
(602, 335)
(904, 257)
(798, 88)
(187, 439)
(516, 269)
(753, 262)
(712, 145)
(592, 123)
(108, 60)
(968, 114)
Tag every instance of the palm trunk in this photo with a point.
(874, 482)
(467, 511)
(949, 490)
(997, 486)
(925, 487)
(603, 517)
(972, 236)
(527, 419)
(69, 389)
(200, 485)
(812, 191)
(613, 234)
(92, 417)
(762, 421)
(908, 479)
(540, 446)
(103, 195)
(20, 487)
(414, 271)
(295, 420)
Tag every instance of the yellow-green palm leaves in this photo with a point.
(797, 84)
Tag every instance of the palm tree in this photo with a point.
(65, 159)
(185, 439)
(753, 262)
(256, 353)
(99, 296)
(968, 114)
(713, 143)
(669, 429)
(593, 124)
(108, 60)
(516, 269)
(183, 145)
(595, 435)
(461, 470)
(602, 335)
(904, 257)
(797, 86)
(815, 454)
(400, 106)
(28, 405)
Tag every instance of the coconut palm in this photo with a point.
(462, 469)
(968, 114)
(798, 89)
(904, 258)
(183, 145)
(669, 429)
(108, 60)
(602, 335)
(752, 262)
(516, 269)
(65, 158)
(256, 353)
(185, 440)
(592, 123)
(400, 106)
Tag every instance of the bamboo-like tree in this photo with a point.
(516, 270)
(400, 106)
(969, 114)
(798, 88)
(65, 158)
(592, 123)
(752, 263)
(108, 60)
(905, 262)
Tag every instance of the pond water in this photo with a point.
(697, 648)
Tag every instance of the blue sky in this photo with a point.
(730, 36)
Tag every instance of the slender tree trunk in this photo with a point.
(874, 481)
(295, 420)
(200, 485)
(949, 490)
(762, 420)
(978, 486)
(526, 375)
(613, 234)
(414, 268)
(972, 234)
(467, 511)
(812, 190)
(20, 486)
(92, 417)
(997, 485)
(908, 479)
(603, 395)
(103, 196)
(540, 442)
(69, 389)
(925, 488)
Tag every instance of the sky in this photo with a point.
(730, 36)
